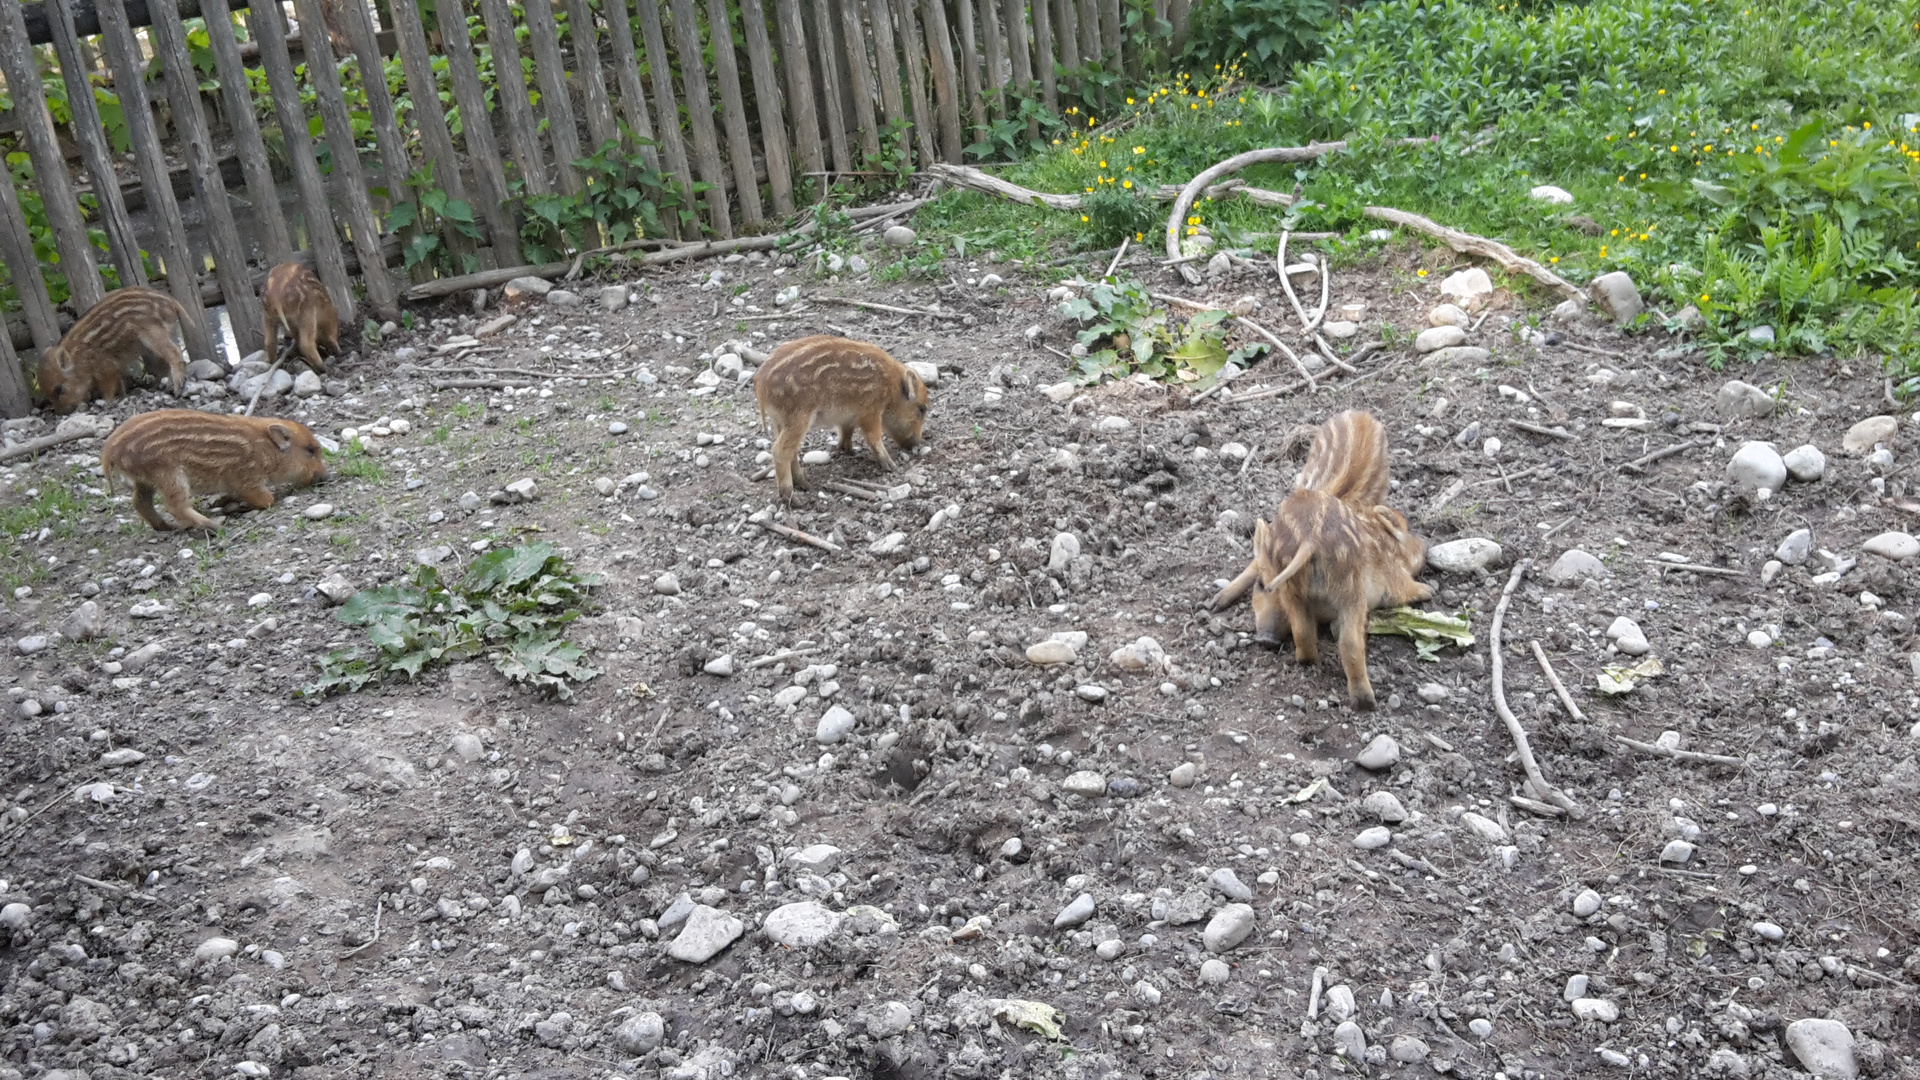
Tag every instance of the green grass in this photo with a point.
(56, 506)
(1748, 158)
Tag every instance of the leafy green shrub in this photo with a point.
(1140, 337)
(1268, 37)
(512, 606)
(624, 199)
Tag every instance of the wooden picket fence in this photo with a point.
(809, 91)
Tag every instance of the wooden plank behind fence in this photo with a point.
(673, 149)
(706, 145)
(209, 188)
(275, 242)
(766, 99)
(583, 32)
(970, 73)
(806, 122)
(827, 61)
(995, 83)
(1087, 18)
(726, 71)
(350, 180)
(853, 34)
(170, 236)
(1043, 64)
(550, 73)
(510, 92)
(913, 55)
(1177, 11)
(1110, 31)
(946, 78)
(88, 132)
(394, 163)
(476, 127)
(16, 247)
(50, 177)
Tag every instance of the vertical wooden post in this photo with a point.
(994, 86)
(969, 58)
(1066, 35)
(15, 401)
(275, 242)
(16, 247)
(351, 182)
(766, 99)
(489, 177)
(726, 71)
(633, 95)
(913, 53)
(827, 57)
(550, 72)
(673, 150)
(585, 37)
(394, 163)
(49, 163)
(1177, 11)
(428, 115)
(1021, 49)
(806, 123)
(87, 131)
(209, 189)
(706, 145)
(510, 91)
(859, 80)
(1087, 19)
(1113, 32)
(946, 79)
(886, 61)
(170, 236)
(1043, 64)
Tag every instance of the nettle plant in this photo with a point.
(1126, 333)
(512, 606)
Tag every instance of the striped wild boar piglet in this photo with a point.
(93, 358)
(298, 305)
(178, 452)
(826, 381)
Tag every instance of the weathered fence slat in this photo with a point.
(673, 149)
(995, 83)
(706, 145)
(424, 90)
(510, 91)
(394, 164)
(15, 401)
(87, 131)
(1043, 65)
(626, 64)
(1177, 11)
(50, 177)
(275, 242)
(1021, 49)
(550, 73)
(209, 188)
(583, 34)
(1066, 37)
(1110, 34)
(16, 247)
(886, 62)
(913, 53)
(945, 78)
(476, 127)
(827, 71)
(970, 69)
(1087, 18)
(170, 236)
(806, 122)
(860, 80)
(363, 229)
(766, 98)
(726, 68)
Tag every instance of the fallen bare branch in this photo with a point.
(1640, 464)
(1249, 324)
(1519, 733)
(264, 380)
(792, 533)
(1696, 568)
(869, 305)
(1656, 750)
(45, 442)
(1553, 680)
(479, 384)
(1549, 432)
(1469, 244)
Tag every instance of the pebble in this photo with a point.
(1230, 926)
(834, 726)
(1480, 1026)
(1769, 931)
(1469, 288)
(215, 948)
(31, 645)
(1183, 774)
(1110, 949)
(617, 428)
(1737, 400)
(1600, 1009)
(667, 585)
(1552, 196)
(1575, 566)
(1351, 1042)
(1125, 787)
(16, 917)
(1627, 636)
(1047, 653)
(1760, 639)
(890, 544)
(1586, 903)
(1407, 1050)
(121, 758)
(640, 1033)
(1379, 754)
(721, 666)
(1897, 546)
(1463, 556)
(1141, 656)
(817, 859)
(1145, 993)
(604, 486)
(899, 236)
(1616, 296)
(1433, 693)
(1824, 1047)
(1384, 805)
(1090, 692)
(1085, 783)
(1576, 988)
(1676, 851)
(468, 747)
(1340, 1003)
(708, 930)
(1795, 549)
(1449, 315)
(1864, 435)
(1806, 463)
(1340, 329)
(1378, 836)
(1461, 355)
(563, 298)
(1076, 913)
(1229, 885)
(802, 925)
(1215, 972)
(815, 457)
(1435, 338)
(891, 1018)
(520, 491)
(319, 511)
(1757, 467)
(1484, 827)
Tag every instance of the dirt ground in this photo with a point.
(457, 878)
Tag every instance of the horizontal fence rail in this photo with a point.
(194, 144)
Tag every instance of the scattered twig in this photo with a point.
(1536, 806)
(1507, 480)
(849, 489)
(264, 380)
(1553, 680)
(1248, 463)
(47, 442)
(888, 308)
(1452, 492)
(893, 213)
(1593, 350)
(1525, 749)
(784, 654)
(1553, 410)
(1549, 432)
(379, 905)
(479, 384)
(1115, 264)
(1696, 568)
(1469, 244)
(1548, 535)
(1694, 756)
(1640, 464)
(104, 886)
(1286, 283)
(792, 533)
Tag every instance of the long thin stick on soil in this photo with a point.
(784, 654)
(46, 442)
(378, 906)
(1248, 463)
(792, 533)
(849, 489)
(1694, 756)
(888, 308)
(1117, 255)
(1639, 464)
(1553, 680)
(264, 380)
(1286, 283)
(479, 384)
(1549, 432)
(1249, 324)
(1527, 762)
(1535, 806)
(1696, 568)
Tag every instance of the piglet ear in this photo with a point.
(1391, 520)
(906, 387)
(1259, 535)
(281, 437)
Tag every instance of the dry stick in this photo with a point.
(1549, 432)
(1249, 324)
(1548, 535)
(1307, 325)
(1696, 568)
(1678, 755)
(1527, 762)
(1639, 464)
(849, 489)
(34, 446)
(1115, 264)
(1536, 806)
(378, 906)
(1469, 244)
(888, 308)
(265, 379)
(1553, 680)
(784, 654)
(1248, 463)
(479, 384)
(792, 533)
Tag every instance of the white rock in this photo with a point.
(319, 511)
(929, 373)
(1076, 913)
(1769, 931)
(16, 917)
(1737, 400)
(1433, 693)
(1469, 288)
(707, 931)
(1575, 566)
(1060, 392)
(1044, 653)
(31, 645)
(1146, 994)
(1384, 805)
(1408, 1050)
(1569, 311)
(834, 726)
(1215, 972)
(1351, 1042)
(1144, 655)
(1552, 196)
(1066, 548)
(1586, 903)
(1381, 753)
(1464, 556)
(121, 758)
(1378, 836)
(1864, 435)
(1229, 926)
(1600, 1009)
(1183, 774)
(562, 298)
(1484, 827)
(1627, 636)
(604, 486)
(307, 384)
(899, 236)
(1090, 692)
(467, 747)
(1806, 463)
(802, 925)
(640, 1033)
(815, 457)
(527, 286)
(890, 544)
(1897, 546)
(1340, 329)
(1085, 783)
(215, 948)
(1617, 296)
(1112, 424)
(1449, 315)
(721, 666)
(1439, 337)
(1676, 851)
(612, 297)
(1824, 1047)
(1796, 548)
(1756, 466)
(817, 859)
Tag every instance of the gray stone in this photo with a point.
(833, 726)
(1076, 913)
(84, 623)
(817, 859)
(721, 666)
(1230, 926)
(899, 236)
(613, 297)
(1189, 907)
(32, 645)
(857, 264)
(667, 585)
(640, 1033)
(802, 925)
(467, 747)
(16, 917)
(1384, 805)
(1378, 836)
(1737, 400)
(1824, 1047)
(1469, 288)
(708, 930)
(1379, 754)
(1576, 988)
(1868, 433)
(1617, 296)
(205, 371)
(1569, 311)
(1806, 463)
(1066, 548)
(1897, 546)
(121, 758)
(562, 298)
(929, 373)
(1627, 636)
(1599, 1009)
(307, 384)
(1796, 548)
(138, 659)
(890, 1019)
(1085, 783)
(336, 588)
(1676, 851)
(1350, 1042)
(319, 511)
(1220, 265)
(1146, 993)
(1340, 329)
(1769, 931)
(1340, 1003)
(1183, 774)
(1215, 972)
(1575, 566)
(1449, 315)
(1433, 693)
(215, 949)
(1047, 653)
(528, 286)
(1408, 1050)
(1757, 467)
(520, 491)
(1230, 885)
(1586, 903)
(1484, 827)
(1463, 556)
(1434, 338)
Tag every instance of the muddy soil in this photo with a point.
(454, 877)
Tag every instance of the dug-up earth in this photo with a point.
(1169, 854)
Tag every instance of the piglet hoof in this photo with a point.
(1364, 701)
(1269, 641)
